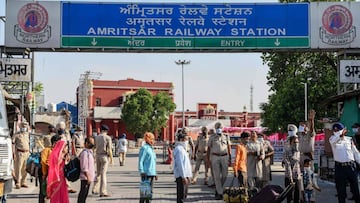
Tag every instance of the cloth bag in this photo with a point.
(145, 190)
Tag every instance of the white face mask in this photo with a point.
(355, 130)
(291, 133)
(260, 139)
(218, 131)
(23, 129)
(338, 133)
(301, 129)
(307, 169)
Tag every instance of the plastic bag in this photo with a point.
(145, 190)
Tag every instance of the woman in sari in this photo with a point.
(57, 190)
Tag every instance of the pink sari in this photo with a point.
(57, 189)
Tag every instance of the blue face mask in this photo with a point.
(218, 131)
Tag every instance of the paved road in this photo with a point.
(123, 183)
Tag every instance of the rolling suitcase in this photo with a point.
(272, 194)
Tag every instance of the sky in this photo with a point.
(222, 78)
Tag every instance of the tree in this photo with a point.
(287, 75)
(143, 112)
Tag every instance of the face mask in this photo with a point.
(301, 129)
(218, 131)
(355, 130)
(338, 133)
(90, 146)
(307, 169)
(260, 139)
(291, 133)
(23, 129)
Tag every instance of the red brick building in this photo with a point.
(106, 98)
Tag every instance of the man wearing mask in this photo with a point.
(182, 168)
(87, 169)
(345, 156)
(291, 162)
(307, 138)
(103, 145)
(21, 146)
(200, 150)
(269, 152)
(355, 128)
(256, 154)
(219, 155)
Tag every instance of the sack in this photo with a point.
(33, 164)
(235, 194)
(145, 190)
(72, 170)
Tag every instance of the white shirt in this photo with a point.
(122, 145)
(182, 165)
(344, 149)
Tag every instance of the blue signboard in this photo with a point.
(197, 25)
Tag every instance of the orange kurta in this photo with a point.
(240, 158)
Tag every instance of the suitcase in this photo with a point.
(272, 194)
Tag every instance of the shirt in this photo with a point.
(343, 149)
(182, 165)
(87, 164)
(103, 144)
(21, 141)
(147, 160)
(202, 143)
(45, 154)
(122, 145)
(219, 144)
(240, 158)
(307, 142)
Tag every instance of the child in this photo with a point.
(310, 183)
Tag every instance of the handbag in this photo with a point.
(145, 190)
(234, 193)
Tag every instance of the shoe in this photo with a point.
(25, 186)
(95, 193)
(213, 185)
(72, 191)
(106, 195)
(218, 197)
(17, 187)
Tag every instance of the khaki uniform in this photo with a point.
(21, 143)
(306, 147)
(219, 157)
(202, 147)
(78, 143)
(103, 150)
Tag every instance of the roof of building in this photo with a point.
(134, 84)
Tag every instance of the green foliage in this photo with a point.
(143, 112)
(286, 78)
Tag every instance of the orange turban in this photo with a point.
(149, 138)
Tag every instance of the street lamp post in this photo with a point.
(182, 63)
(305, 89)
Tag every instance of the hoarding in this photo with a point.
(15, 69)
(334, 25)
(349, 71)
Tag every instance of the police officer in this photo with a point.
(78, 141)
(219, 155)
(21, 144)
(200, 151)
(345, 155)
(103, 151)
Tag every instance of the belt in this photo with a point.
(22, 150)
(216, 154)
(202, 152)
(350, 163)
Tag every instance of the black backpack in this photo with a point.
(72, 170)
